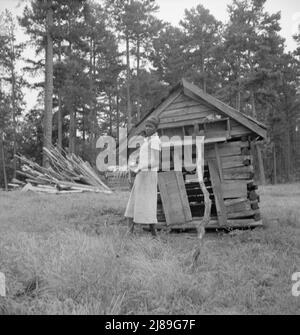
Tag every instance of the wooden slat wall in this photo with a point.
(184, 109)
(218, 191)
(174, 198)
(238, 130)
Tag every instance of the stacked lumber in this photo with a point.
(67, 173)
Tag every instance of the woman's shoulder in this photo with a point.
(155, 142)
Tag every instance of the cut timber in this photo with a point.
(245, 214)
(235, 161)
(14, 186)
(86, 188)
(63, 168)
(183, 104)
(219, 162)
(237, 205)
(253, 196)
(238, 173)
(193, 111)
(252, 186)
(234, 189)
(226, 149)
(29, 187)
(213, 224)
(19, 182)
(218, 191)
(174, 197)
(254, 205)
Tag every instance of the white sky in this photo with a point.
(173, 11)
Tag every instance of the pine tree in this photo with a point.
(168, 55)
(10, 54)
(38, 21)
(203, 34)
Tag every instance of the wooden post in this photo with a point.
(3, 162)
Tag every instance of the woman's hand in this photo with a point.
(137, 171)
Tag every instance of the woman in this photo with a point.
(142, 204)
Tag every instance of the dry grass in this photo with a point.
(72, 255)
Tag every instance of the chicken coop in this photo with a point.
(232, 161)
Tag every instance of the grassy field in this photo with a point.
(71, 254)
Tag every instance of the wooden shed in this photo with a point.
(229, 151)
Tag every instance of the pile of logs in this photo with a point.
(67, 173)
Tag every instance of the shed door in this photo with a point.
(174, 198)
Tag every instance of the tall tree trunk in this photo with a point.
(274, 164)
(59, 123)
(118, 121)
(59, 114)
(110, 114)
(72, 126)
(253, 104)
(203, 69)
(118, 114)
(94, 110)
(14, 112)
(287, 153)
(83, 125)
(72, 129)
(3, 161)
(48, 83)
(238, 102)
(129, 108)
(91, 119)
(138, 88)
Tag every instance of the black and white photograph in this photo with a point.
(149, 160)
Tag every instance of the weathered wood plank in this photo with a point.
(243, 214)
(183, 104)
(182, 97)
(239, 173)
(214, 224)
(219, 162)
(225, 149)
(177, 124)
(174, 197)
(253, 196)
(238, 131)
(191, 115)
(234, 189)
(183, 196)
(235, 161)
(218, 191)
(239, 206)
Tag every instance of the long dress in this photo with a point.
(142, 203)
